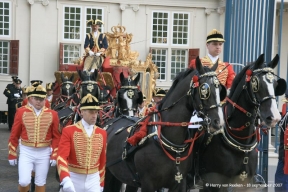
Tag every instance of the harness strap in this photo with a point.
(248, 114)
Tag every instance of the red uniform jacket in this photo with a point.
(41, 131)
(79, 153)
(25, 102)
(226, 77)
(285, 141)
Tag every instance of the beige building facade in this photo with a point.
(166, 28)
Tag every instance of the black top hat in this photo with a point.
(95, 22)
(35, 83)
(37, 91)
(215, 35)
(159, 93)
(49, 86)
(17, 81)
(89, 102)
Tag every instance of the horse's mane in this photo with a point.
(177, 79)
(238, 78)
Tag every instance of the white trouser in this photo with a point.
(86, 183)
(33, 158)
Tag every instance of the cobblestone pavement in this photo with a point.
(9, 174)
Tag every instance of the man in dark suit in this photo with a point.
(13, 92)
(95, 45)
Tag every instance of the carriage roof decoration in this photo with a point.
(120, 58)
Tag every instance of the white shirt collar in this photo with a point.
(86, 125)
(213, 59)
(35, 110)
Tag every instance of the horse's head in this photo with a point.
(129, 96)
(88, 83)
(206, 94)
(264, 87)
(67, 87)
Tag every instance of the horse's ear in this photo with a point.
(122, 78)
(259, 61)
(215, 66)
(199, 66)
(136, 80)
(79, 73)
(62, 77)
(72, 77)
(223, 92)
(140, 97)
(281, 87)
(274, 62)
(94, 75)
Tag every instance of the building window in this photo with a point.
(170, 43)
(160, 27)
(72, 23)
(4, 57)
(71, 53)
(180, 28)
(4, 18)
(159, 56)
(178, 61)
(93, 13)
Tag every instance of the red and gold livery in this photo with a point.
(81, 154)
(225, 71)
(34, 131)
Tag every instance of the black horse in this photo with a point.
(230, 159)
(128, 96)
(165, 160)
(67, 89)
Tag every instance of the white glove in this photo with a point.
(16, 95)
(98, 54)
(13, 162)
(91, 53)
(53, 163)
(67, 185)
(101, 189)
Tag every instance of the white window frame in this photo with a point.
(185, 62)
(169, 46)
(80, 27)
(8, 59)
(166, 69)
(10, 19)
(168, 28)
(85, 16)
(69, 44)
(188, 32)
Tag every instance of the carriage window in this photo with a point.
(4, 19)
(4, 57)
(159, 57)
(93, 13)
(178, 61)
(160, 27)
(180, 28)
(72, 22)
(71, 53)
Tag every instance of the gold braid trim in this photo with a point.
(59, 158)
(62, 168)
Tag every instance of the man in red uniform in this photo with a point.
(214, 43)
(81, 157)
(281, 174)
(37, 127)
